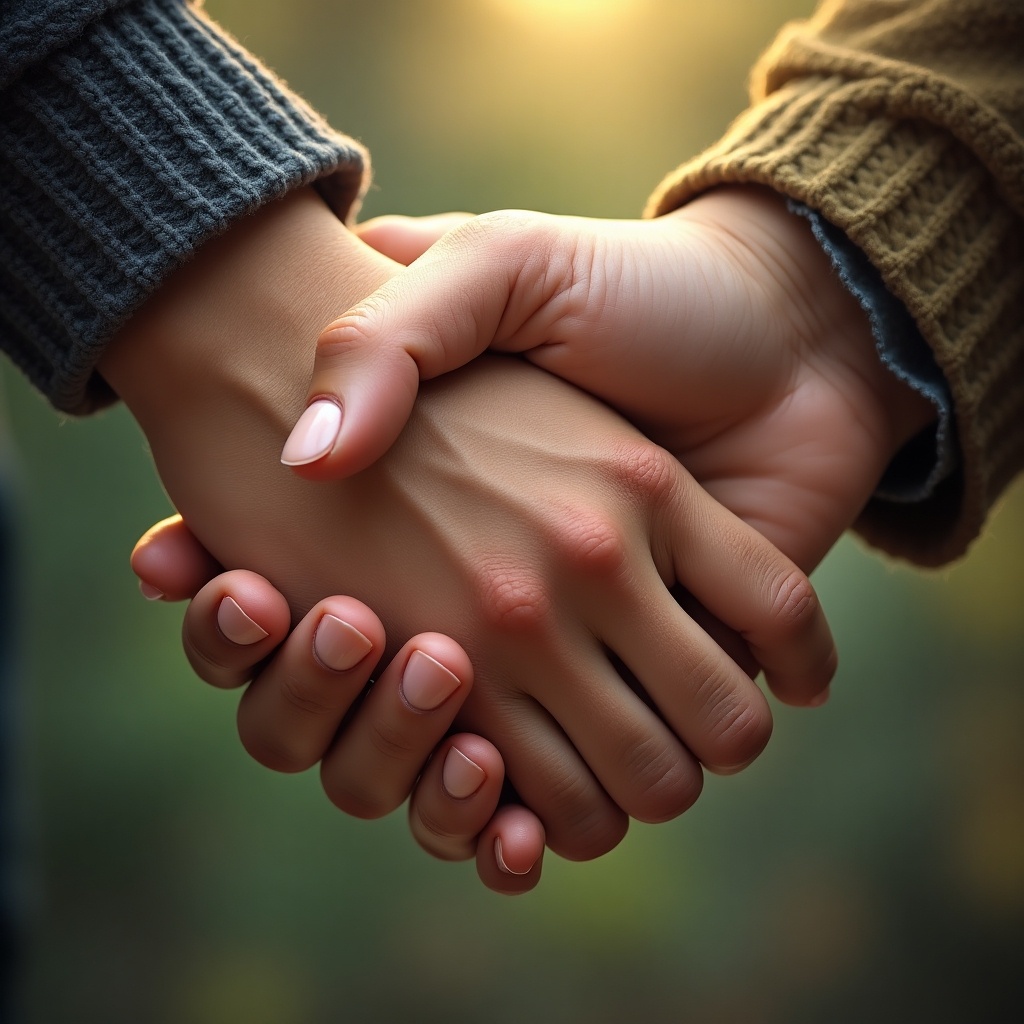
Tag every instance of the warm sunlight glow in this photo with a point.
(581, 12)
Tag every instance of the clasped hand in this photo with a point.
(538, 528)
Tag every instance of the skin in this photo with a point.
(318, 715)
(540, 542)
(720, 330)
(844, 392)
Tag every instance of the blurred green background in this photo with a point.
(868, 867)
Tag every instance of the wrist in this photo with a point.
(215, 369)
(864, 325)
(237, 325)
(818, 313)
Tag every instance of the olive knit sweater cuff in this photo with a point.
(918, 204)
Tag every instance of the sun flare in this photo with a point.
(566, 11)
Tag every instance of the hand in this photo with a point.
(305, 704)
(720, 330)
(540, 541)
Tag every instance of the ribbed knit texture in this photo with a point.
(121, 151)
(29, 30)
(903, 125)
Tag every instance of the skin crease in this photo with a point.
(293, 713)
(807, 376)
(595, 550)
(719, 329)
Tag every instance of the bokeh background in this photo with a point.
(870, 865)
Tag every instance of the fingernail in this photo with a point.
(314, 434)
(426, 683)
(237, 626)
(339, 645)
(501, 860)
(821, 698)
(149, 592)
(460, 776)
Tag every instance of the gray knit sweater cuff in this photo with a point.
(120, 153)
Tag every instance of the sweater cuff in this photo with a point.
(927, 459)
(921, 208)
(119, 156)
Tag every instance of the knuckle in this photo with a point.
(439, 839)
(591, 543)
(792, 602)
(644, 469)
(488, 237)
(497, 227)
(391, 742)
(213, 670)
(667, 783)
(371, 789)
(347, 332)
(510, 599)
(522, 239)
(737, 725)
(741, 733)
(584, 826)
(303, 697)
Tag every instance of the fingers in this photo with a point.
(371, 767)
(292, 711)
(236, 621)
(404, 239)
(710, 702)
(456, 796)
(306, 704)
(746, 582)
(637, 759)
(454, 815)
(582, 819)
(438, 315)
(170, 562)
(703, 694)
(510, 851)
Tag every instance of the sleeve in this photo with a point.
(902, 126)
(925, 461)
(131, 132)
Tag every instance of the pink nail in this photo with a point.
(460, 776)
(339, 645)
(426, 683)
(501, 860)
(314, 434)
(149, 592)
(237, 626)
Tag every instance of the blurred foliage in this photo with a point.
(870, 865)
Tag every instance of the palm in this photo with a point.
(799, 472)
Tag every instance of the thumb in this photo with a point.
(434, 317)
(404, 239)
